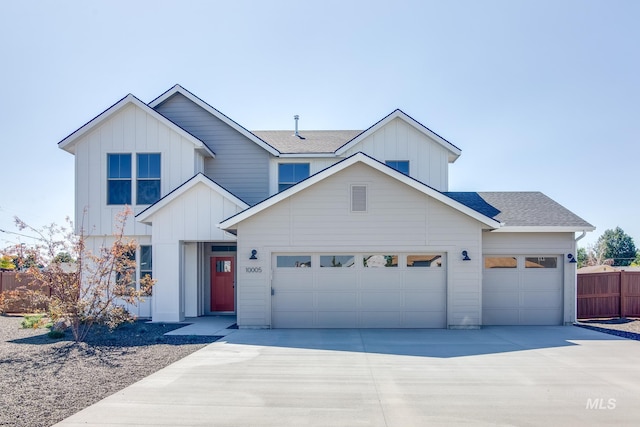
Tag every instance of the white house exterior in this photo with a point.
(315, 229)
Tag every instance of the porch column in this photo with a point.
(167, 295)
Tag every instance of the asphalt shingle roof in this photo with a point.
(315, 141)
(520, 209)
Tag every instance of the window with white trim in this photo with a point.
(399, 165)
(119, 179)
(146, 264)
(290, 174)
(148, 178)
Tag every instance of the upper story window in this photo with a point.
(399, 165)
(291, 173)
(148, 182)
(118, 179)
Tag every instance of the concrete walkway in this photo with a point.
(207, 325)
(494, 376)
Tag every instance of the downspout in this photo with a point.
(575, 279)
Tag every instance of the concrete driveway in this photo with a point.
(521, 376)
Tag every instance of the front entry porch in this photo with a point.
(209, 278)
(218, 326)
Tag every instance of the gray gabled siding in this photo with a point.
(240, 166)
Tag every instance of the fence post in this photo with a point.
(623, 294)
(1, 282)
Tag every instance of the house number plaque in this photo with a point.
(253, 269)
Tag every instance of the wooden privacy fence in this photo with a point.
(613, 294)
(9, 281)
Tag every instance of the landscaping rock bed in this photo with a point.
(44, 380)
(622, 327)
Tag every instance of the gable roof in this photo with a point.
(358, 157)
(68, 143)
(145, 216)
(233, 124)
(312, 141)
(454, 152)
(523, 211)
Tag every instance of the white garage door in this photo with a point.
(359, 291)
(522, 290)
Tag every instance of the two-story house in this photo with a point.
(339, 229)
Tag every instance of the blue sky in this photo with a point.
(539, 95)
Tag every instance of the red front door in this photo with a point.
(222, 284)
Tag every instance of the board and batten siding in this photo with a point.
(240, 165)
(130, 130)
(399, 219)
(398, 140)
(504, 243)
(191, 217)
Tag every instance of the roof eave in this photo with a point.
(68, 143)
(230, 223)
(145, 217)
(230, 122)
(454, 152)
(544, 229)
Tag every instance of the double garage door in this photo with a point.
(383, 290)
(522, 290)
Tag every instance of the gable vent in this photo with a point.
(358, 198)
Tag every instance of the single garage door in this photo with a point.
(383, 290)
(522, 290)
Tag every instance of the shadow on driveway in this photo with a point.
(439, 343)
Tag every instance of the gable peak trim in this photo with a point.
(358, 157)
(213, 111)
(454, 151)
(69, 141)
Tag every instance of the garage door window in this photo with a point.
(337, 261)
(428, 260)
(501, 262)
(293, 261)
(376, 261)
(541, 262)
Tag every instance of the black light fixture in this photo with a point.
(572, 259)
(465, 256)
(254, 254)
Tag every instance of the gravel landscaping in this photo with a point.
(44, 380)
(623, 327)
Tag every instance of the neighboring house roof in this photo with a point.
(596, 269)
(523, 211)
(629, 268)
(454, 152)
(310, 141)
(68, 143)
(230, 223)
(193, 98)
(146, 214)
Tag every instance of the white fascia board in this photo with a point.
(310, 155)
(146, 215)
(454, 151)
(68, 143)
(333, 169)
(542, 229)
(193, 98)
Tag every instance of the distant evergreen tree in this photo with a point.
(617, 246)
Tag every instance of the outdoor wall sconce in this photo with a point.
(254, 254)
(572, 259)
(465, 256)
